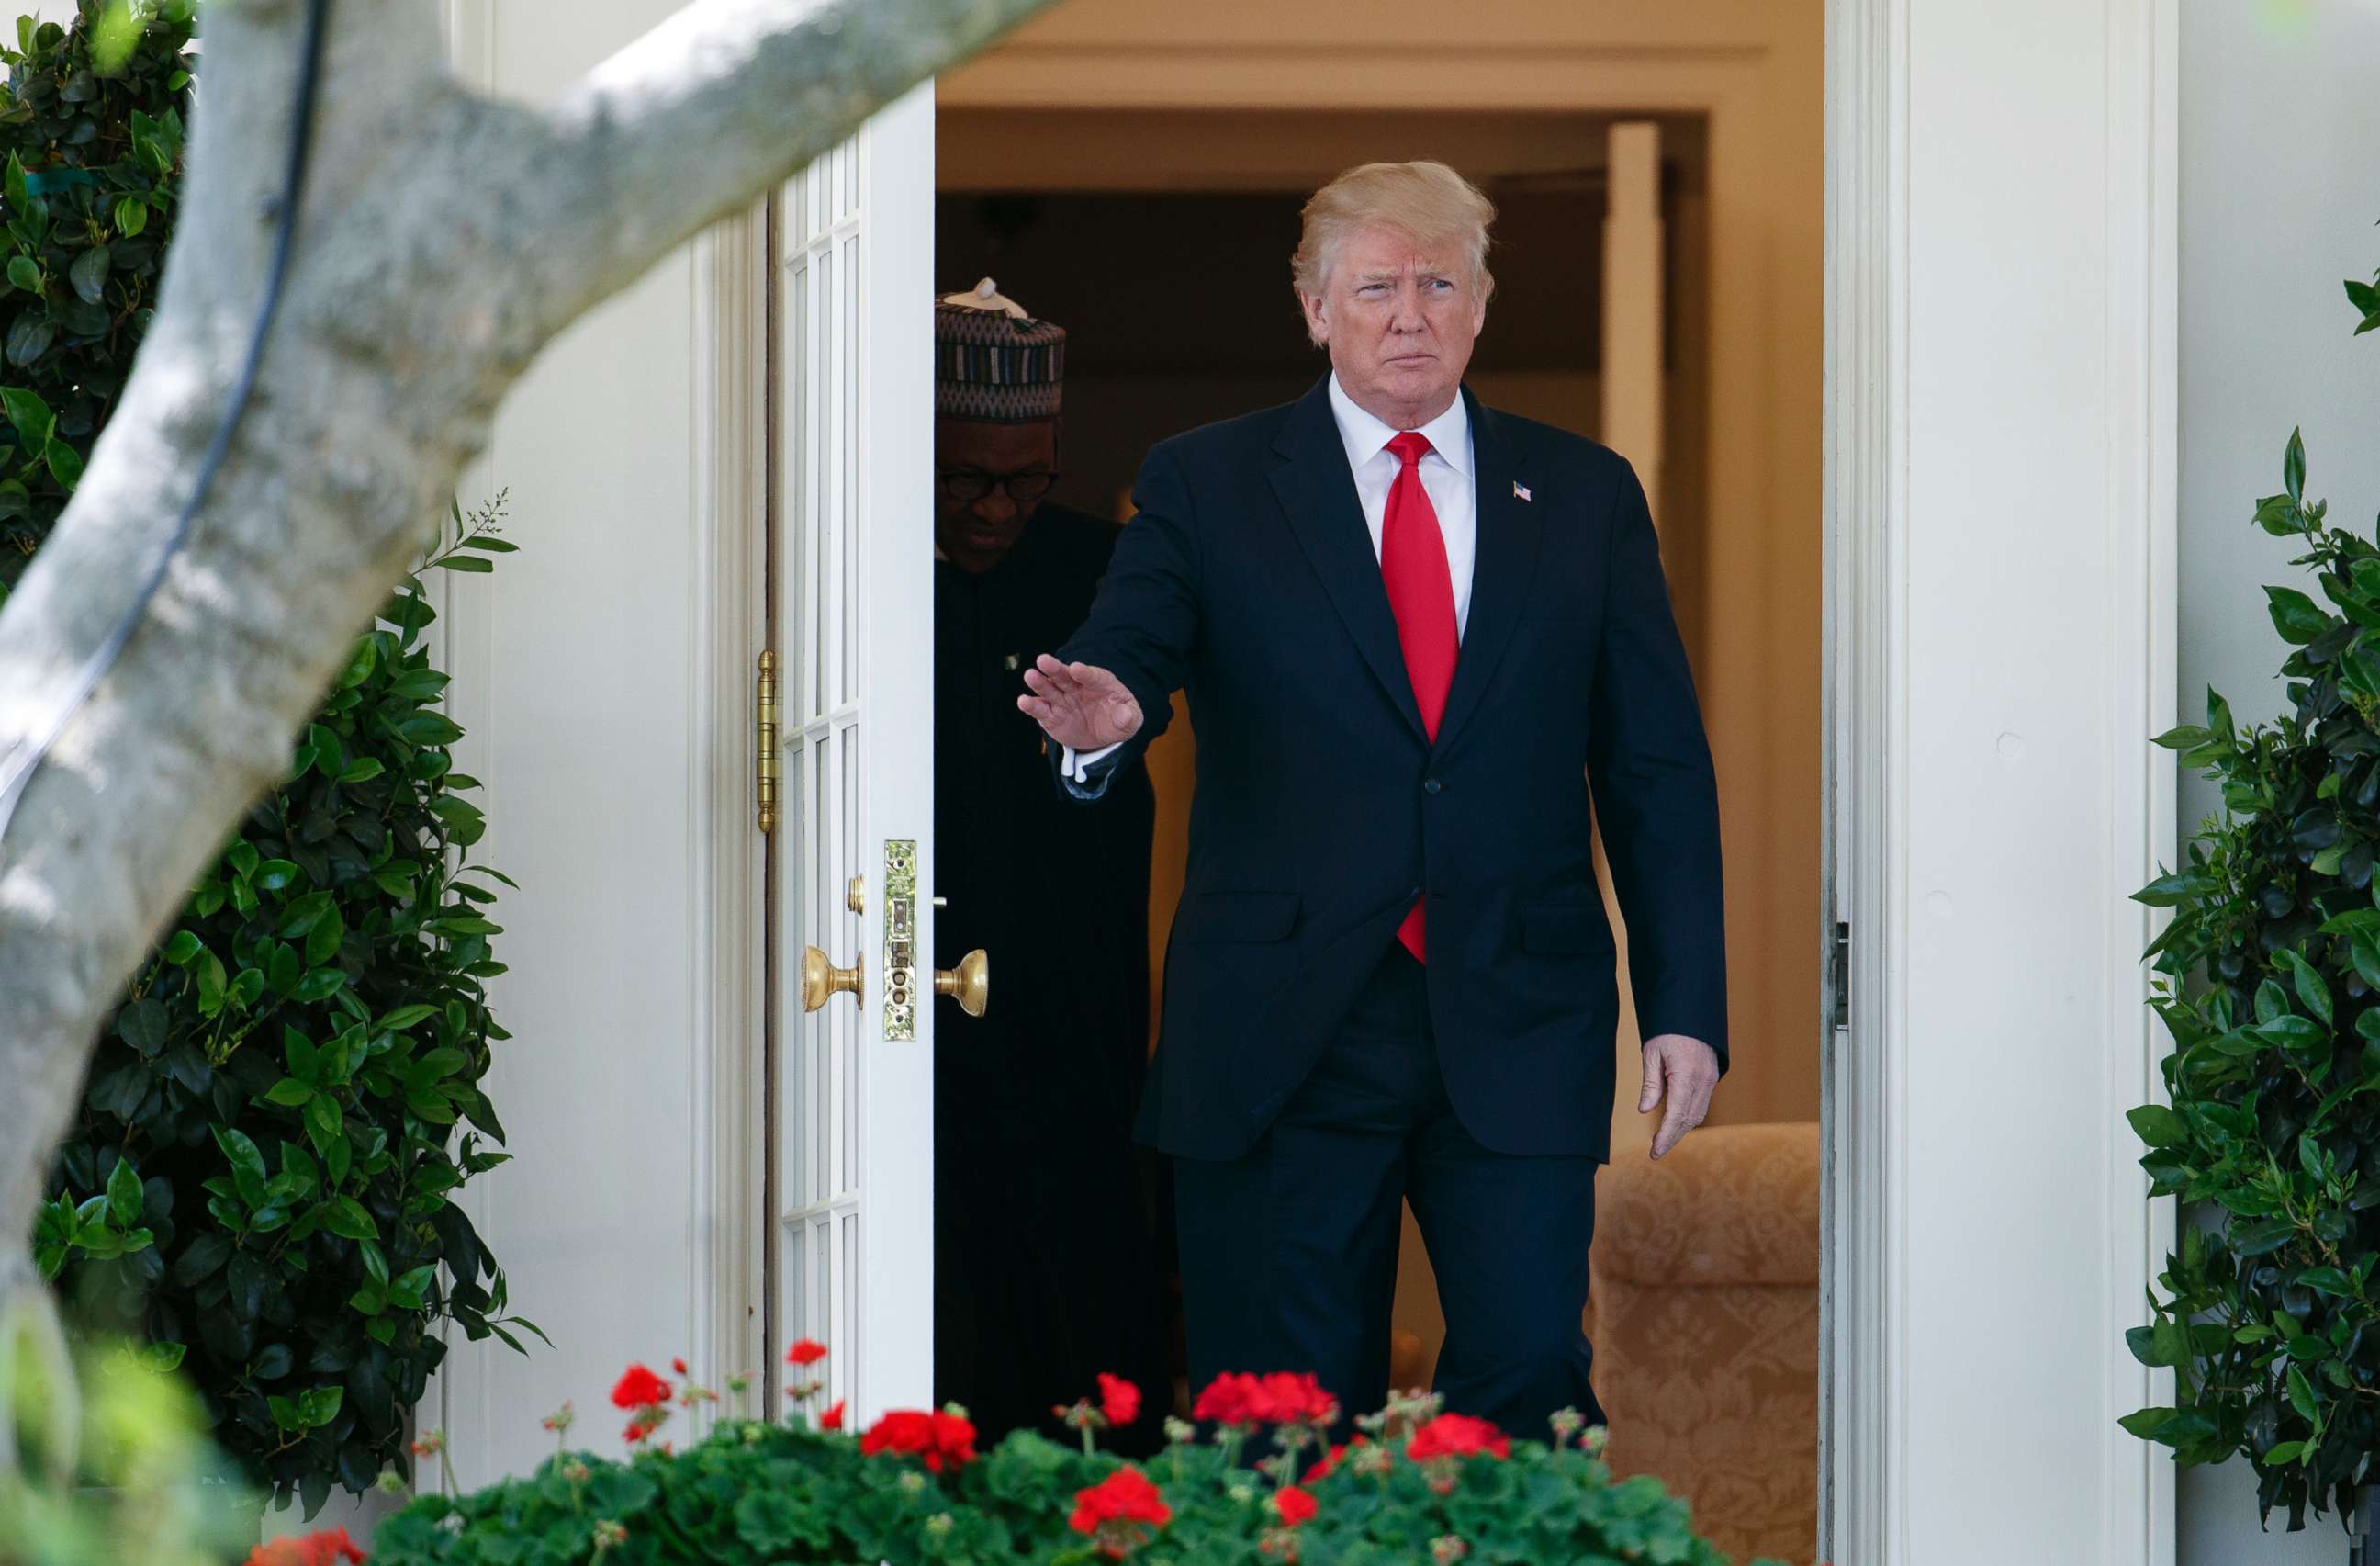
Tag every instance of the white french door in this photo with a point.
(852, 1151)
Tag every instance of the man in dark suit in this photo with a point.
(1428, 648)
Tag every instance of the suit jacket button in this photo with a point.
(1432, 785)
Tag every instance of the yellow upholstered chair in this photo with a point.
(1704, 1319)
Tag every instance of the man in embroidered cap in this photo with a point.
(1045, 1269)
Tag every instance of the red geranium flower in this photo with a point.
(955, 1436)
(1237, 1398)
(1225, 1400)
(678, 1366)
(833, 1418)
(1119, 1399)
(1284, 1399)
(1458, 1435)
(1294, 1506)
(1219, 1400)
(329, 1547)
(807, 1351)
(639, 1388)
(1117, 1510)
(936, 1440)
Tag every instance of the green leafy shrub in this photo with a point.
(2269, 982)
(261, 1177)
(266, 1155)
(913, 1490)
(91, 144)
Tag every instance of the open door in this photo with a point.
(852, 1140)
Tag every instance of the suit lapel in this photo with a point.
(1317, 493)
(1503, 568)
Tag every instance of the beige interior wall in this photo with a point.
(1744, 392)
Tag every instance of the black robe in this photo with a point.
(1044, 1263)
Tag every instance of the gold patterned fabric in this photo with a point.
(1704, 1321)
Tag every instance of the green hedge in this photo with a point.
(91, 144)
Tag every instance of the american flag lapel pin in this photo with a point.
(1520, 490)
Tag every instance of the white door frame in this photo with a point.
(2000, 498)
(731, 429)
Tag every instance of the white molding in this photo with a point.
(1644, 79)
(468, 29)
(1923, 1447)
(1863, 1427)
(728, 1216)
(2144, 131)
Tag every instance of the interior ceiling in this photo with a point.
(1271, 149)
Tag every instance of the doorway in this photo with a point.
(1200, 326)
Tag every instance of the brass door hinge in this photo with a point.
(764, 702)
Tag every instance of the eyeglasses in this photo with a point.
(964, 485)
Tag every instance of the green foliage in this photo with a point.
(752, 1493)
(2269, 982)
(114, 1469)
(90, 157)
(263, 1167)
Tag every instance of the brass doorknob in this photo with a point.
(969, 983)
(822, 979)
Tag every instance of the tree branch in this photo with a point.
(720, 102)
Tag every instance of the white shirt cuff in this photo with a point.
(1078, 764)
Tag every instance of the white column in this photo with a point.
(2001, 447)
(1632, 303)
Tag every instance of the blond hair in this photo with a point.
(1427, 202)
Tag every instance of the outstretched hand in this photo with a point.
(1079, 705)
(1682, 1071)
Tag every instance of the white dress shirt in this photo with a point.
(1445, 478)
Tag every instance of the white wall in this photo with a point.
(575, 670)
(2280, 187)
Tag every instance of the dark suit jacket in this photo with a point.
(1322, 809)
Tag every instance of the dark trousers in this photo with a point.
(1289, 1253)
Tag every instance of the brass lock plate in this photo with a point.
(900, 938)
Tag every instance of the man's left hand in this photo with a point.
(1682, 1071)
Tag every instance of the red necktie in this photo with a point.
(1421, 595)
